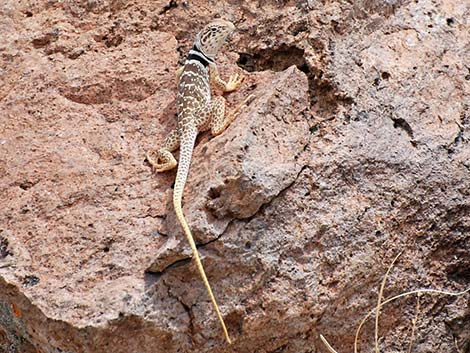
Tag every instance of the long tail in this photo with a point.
(186, 150)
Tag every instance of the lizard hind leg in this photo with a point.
(220, 121)
(162, 159)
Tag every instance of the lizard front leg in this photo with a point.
(178, 73)
(162, 159)
(234, 82)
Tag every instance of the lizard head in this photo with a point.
(212, 37)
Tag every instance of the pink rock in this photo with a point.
(355, 148)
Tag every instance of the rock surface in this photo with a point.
(355, 148)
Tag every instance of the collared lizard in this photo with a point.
(196, 112)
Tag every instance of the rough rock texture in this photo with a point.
(355, 148)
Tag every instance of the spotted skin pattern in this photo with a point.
(197, 112)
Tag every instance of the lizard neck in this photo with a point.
(196, 54)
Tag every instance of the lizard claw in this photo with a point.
(169, 162)
(234, 83)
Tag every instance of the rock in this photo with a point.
(354, 149)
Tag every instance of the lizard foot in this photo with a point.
(233, 114)
(169, 162)
(242, 105)
(234, 83)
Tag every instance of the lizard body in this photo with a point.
(196, 112)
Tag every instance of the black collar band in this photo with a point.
(196, 54)
(199, 58)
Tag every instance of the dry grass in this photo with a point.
(381, 303)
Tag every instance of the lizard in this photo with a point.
(197, 112)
